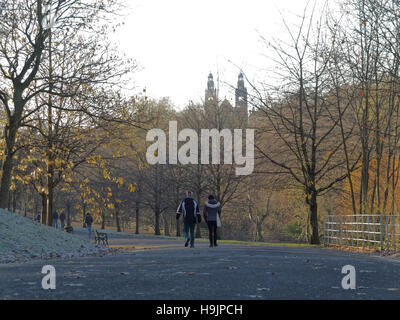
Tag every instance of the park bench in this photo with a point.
(100, 238)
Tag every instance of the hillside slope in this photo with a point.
(22, 240)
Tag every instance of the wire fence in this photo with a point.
(378, 232)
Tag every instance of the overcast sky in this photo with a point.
(178, 42)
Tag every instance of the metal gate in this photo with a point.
(379, 232)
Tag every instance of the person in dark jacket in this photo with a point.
(88, 222)
(212, 208)
(62, 220)
(55, 219)
(191, 215)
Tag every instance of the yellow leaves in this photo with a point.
(110, 206)
(90, 200)
(120, 182)
(106, 174)
(131, 188)
(96, 161)
(59, 162)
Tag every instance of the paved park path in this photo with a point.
(164, 269)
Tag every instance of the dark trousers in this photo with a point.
(212, 231)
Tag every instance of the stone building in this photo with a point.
(223, 111)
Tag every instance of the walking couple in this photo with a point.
(191, 214)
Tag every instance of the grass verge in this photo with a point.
(276, 244)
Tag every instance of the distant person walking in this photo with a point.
(88, 222)
(55, 219)
(62, 220)
(211, 212)
(191, 215)
(37, 218)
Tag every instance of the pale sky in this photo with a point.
(178, 42)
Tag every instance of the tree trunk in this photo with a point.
(83, 212)
(166, 225)
(103, 218)
(68, 214)
(44, 207)
(259, 232)
(346, 153)
(7, 163)
(157, 222)
(49, 208)
(137, 217)
(313, 217)
(49, 153)
(36, 205)
(9, 201)
(117, 220)
(14, 201)
(364, 173)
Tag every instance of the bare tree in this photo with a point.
(299, 116)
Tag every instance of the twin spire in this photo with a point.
(240, 92)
